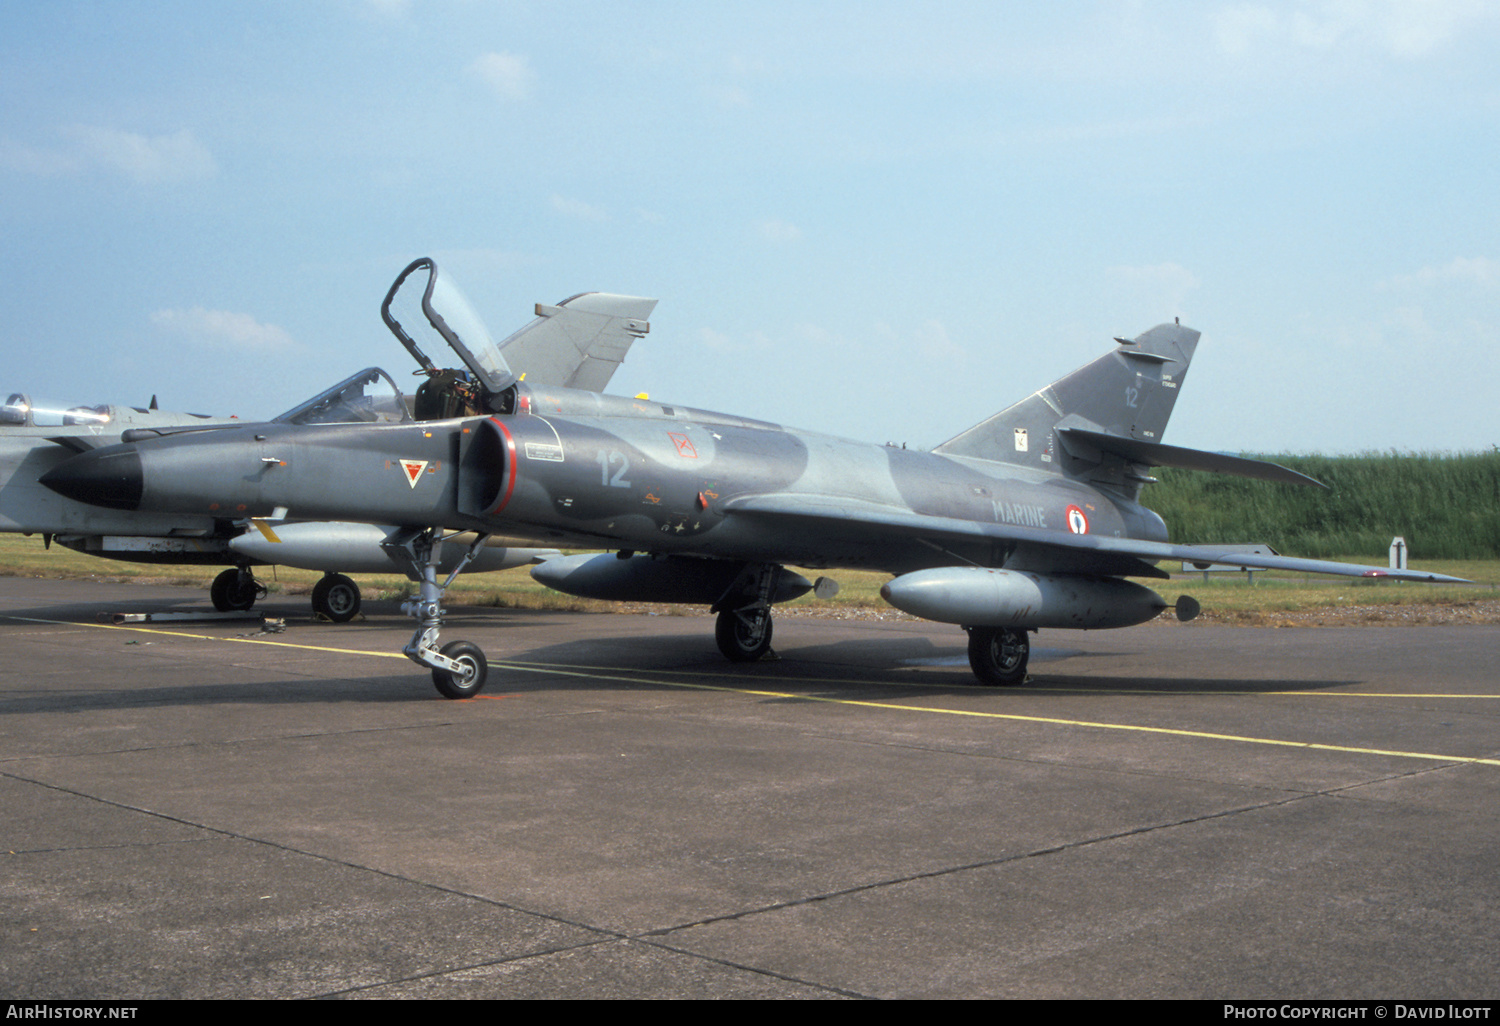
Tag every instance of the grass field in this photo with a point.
(21, 556)
(1445, 505)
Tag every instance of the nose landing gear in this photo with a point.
(459, 667)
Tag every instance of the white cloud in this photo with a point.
(578, 209)
(929, 343)
(1479, 271)
(1409, 322)
(1241, 27)
(750, 342)
(389, 8)
(717, 340)
(814, 338)
(934, 346)
(1122, 128)
(223, 329)
(776, 230)
(32, 161)
(1164, 287)
(732, 98)
(149, 159)
(508, 74)
(1406, 29)
(1414, 28)
(484, 260)
(741, 65)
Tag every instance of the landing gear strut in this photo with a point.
(743, 629)
(235, 590)
(459, 667)
(998, 655)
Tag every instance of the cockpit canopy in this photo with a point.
(437, 301)
(369, 397)
(20, 411)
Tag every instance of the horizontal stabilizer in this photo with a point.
(1154, 454)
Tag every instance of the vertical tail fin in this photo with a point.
(580, 342)
(1128, 393)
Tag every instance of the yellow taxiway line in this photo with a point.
(656, 677)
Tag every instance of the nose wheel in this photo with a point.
(469, 680)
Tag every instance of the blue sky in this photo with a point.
(883, 221)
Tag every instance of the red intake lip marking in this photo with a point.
(510, 465)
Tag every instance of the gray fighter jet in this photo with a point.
(1030, 519)
(578, 342)
(37, 435)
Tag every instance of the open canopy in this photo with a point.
(415, 298)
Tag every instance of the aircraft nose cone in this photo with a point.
(105, 477)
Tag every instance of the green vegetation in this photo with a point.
(1445, 506)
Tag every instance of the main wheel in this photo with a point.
(471, 682)
(233, 591)
(336, 598)
(736, 632)
(998, 654)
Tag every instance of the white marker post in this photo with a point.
(1398, 553)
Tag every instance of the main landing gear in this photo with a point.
(998, 655)
(459, 667)
(336, 598)
(235, 590)
(743, 629)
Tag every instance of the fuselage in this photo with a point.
(636, 480)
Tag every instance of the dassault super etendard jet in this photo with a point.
(1030, 519)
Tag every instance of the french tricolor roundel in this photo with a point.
(413, 469)
(1078, 523)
